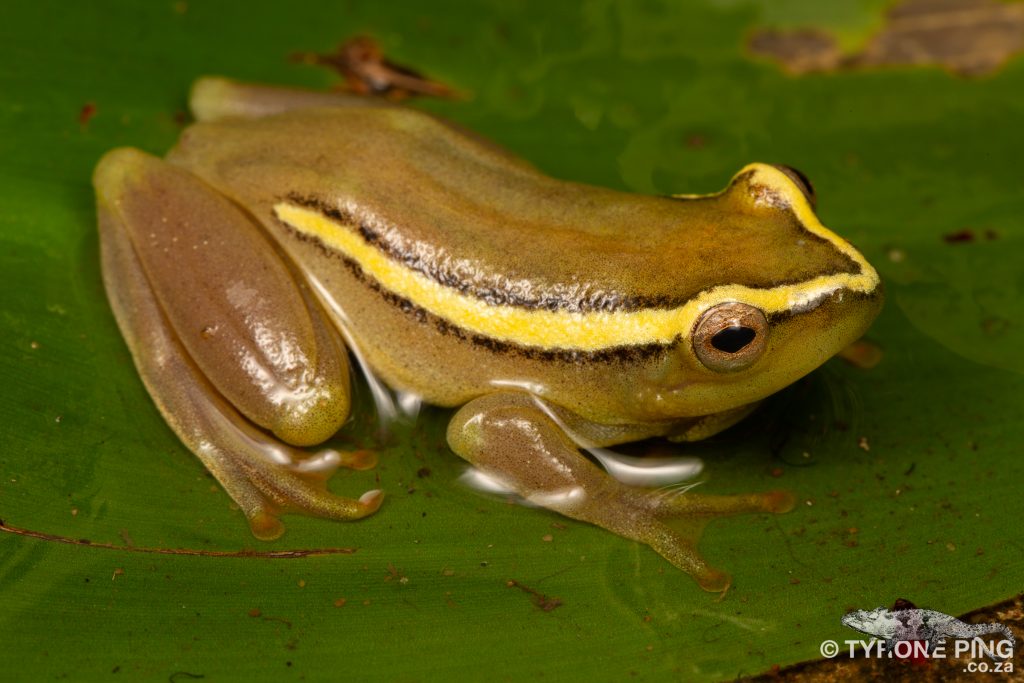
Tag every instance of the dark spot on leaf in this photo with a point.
(544, 602)
(86, 113)
(959, 237)
(801, 51)
(994, 325)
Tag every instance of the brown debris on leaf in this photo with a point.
(968, 235)
(86, 113)
(368, 72)
(966, 37)
(802, 51)
(543, 602)
(960, 236)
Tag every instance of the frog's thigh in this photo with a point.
(232, 300)
(264, 476)
(509, 438)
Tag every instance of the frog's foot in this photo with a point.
(693, 511)
(509, 438)
(267, 478)
(264, 475)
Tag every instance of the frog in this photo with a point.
(291, 233)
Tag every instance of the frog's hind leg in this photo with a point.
(214, 98)
(509, 438)
(262, 474)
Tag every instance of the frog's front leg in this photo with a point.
(218, 328)
(508, 437)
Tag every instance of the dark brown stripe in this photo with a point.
(615, 354)
(496, 295)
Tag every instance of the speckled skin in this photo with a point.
(450, 207)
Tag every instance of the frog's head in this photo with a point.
(795, 294)
(878, 621)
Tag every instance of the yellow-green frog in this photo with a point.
(288, 227)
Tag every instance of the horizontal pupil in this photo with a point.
(733, 339)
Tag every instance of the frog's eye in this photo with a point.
(730, 337)
(801, 181)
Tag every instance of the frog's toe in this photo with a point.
(779, 501)
(360, 460)
(714, 580)
(678, 547)
(265, 525)
(372, 500)
(326, 461)
(699, 505)
(680, 519)
(672, 524)
(293, 483)
(264, 499)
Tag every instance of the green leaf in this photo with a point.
(908, 473)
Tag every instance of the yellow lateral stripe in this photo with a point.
(594, 330)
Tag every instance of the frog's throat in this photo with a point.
(584, 331)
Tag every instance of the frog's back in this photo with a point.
(471, 216)
(454, 268)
